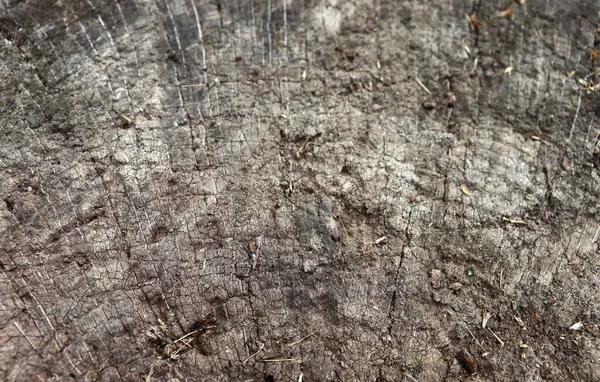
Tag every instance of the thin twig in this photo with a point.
(300, 340)
(512, 221)
(413, 379)
(176, 352)
(423, 86)
(252, 355)
(187, 335)
(280, 360)
(498, 338)
(343, 228)
(448, 118)
(476, 340)
(123, 116)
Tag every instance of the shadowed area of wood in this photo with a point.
(288, 190)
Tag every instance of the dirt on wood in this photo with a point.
(286, 190)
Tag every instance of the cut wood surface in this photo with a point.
(291, 190)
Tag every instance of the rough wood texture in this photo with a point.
(144, 144)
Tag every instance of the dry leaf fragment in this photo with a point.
(571, 74)
(594, 54)
(577, 326)
(506, 12)
(467, 361)
(485, 316)
(465, 190)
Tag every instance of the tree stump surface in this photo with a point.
(408, 167)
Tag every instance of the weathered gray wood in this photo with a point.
(145, 144)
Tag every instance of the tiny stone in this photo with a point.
(309, 265)
(436, 278)
(455, 286)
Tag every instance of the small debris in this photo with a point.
(476, 340)
(474, 22)
(455, 286)
(485, 316)
(255, 244)
(521, 1)
(253, 248)
(381, 240)
(523, 355)
(508, 70)
(466, 48)
(468, 362)
(594, 54)
(523, 345)
(450, 99)
(512, 221)
(582, 81)
(422, 85)
(565, 163)
(571, 74)
(255, 353)
(162, 325)
(471, 271)
(280, 360)
(304, 75)
(547, 171)
(519, 321)
(300, 340)
(506, 12)
(436, 278)
(465, 190)
(577, 326)
(497, 338)
(378, 65)
(535, 138)
(126, 120)
(428, 105)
